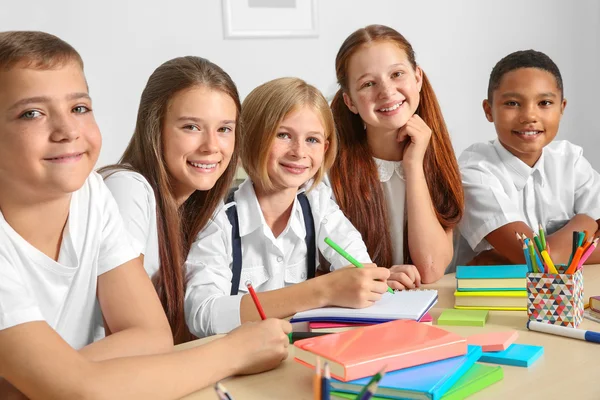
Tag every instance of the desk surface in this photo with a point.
(566, 370)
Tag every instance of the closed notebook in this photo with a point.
(477, 378)
(492, 300)
(427, 381)
(332, 327)
(595, 303)
(518, 355)
(406, 304)
(491, 271)
(394, 345)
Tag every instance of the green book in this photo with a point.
(477, 378)
(456, 317)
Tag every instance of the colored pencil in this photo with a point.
(261, 312)
(574, 246)
(519, 238)
(551, 268)
(317, 381)
(375, 378)
(542, 237)
(575, 261)
(371, 390)
(222, 392)
(537, 241)
(533, 257)
(325, 383)
(527, 258)
(587, 253)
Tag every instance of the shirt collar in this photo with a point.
(250, 215)
(519, 171)
(386, 169)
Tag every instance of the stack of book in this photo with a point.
(498, 287)
(595, 307)
(420, 361)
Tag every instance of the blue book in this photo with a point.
(428, 381)
(518, 355)
(491, 271)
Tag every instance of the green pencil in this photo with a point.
(543, 237)
(347, 256)
(375, 378)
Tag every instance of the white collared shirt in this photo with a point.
(393, 183)
(500, 189)
(269, 263)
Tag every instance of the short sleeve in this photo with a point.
(18, 304)
(587, 188)
(331, 222)
(487, 205)
(115, 247)
(135, 200)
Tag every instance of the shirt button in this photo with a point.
(324, 220)
(303, 276)
(279, 259)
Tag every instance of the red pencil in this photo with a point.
(256, 301)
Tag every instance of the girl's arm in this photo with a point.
(429, 244)
(36, 360)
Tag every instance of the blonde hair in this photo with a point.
(264, 110)
(32, 49)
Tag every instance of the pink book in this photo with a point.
(364, 351)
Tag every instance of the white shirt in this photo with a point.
(269, 263)
(34, 287)
(137, 205)
(500, 189)
(393, 183)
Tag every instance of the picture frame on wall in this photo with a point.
(251, 19)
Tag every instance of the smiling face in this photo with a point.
(526, 111)
(298, 149)
(383, 86)
(198, 138)
(49, 139)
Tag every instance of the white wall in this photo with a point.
(457, 43)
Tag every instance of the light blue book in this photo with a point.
(491, 271)
(518, 355)
(428, 381)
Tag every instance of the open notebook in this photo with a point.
(406, 304)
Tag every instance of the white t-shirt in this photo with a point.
(34, 287)
(137, 205)
(500, 189)
(269, 263)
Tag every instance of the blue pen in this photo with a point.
(574, 333)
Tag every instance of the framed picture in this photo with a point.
(244, 19)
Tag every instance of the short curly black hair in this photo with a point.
(523, 59)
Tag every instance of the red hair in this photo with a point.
(354, 177)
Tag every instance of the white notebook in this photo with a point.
(406, 304)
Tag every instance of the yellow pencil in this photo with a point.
(549, 263)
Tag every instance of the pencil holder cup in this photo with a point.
(555, 298)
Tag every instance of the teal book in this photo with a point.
(518, 355)
(428, 381)
(477, 378)
(491, 271)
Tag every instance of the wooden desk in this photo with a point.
(567, 370)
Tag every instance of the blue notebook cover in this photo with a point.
(491, 272)
(518, 355)
(428, 381)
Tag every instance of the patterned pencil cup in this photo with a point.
(555, 298)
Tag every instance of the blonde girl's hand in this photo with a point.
(404, 277)
(355, 287)
(417, 134)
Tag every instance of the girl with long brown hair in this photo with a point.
(396, 176)
(176, 169)
(274, 227)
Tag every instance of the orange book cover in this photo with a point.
(394, 345)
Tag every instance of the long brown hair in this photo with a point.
(177, 226)
(354, 176)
